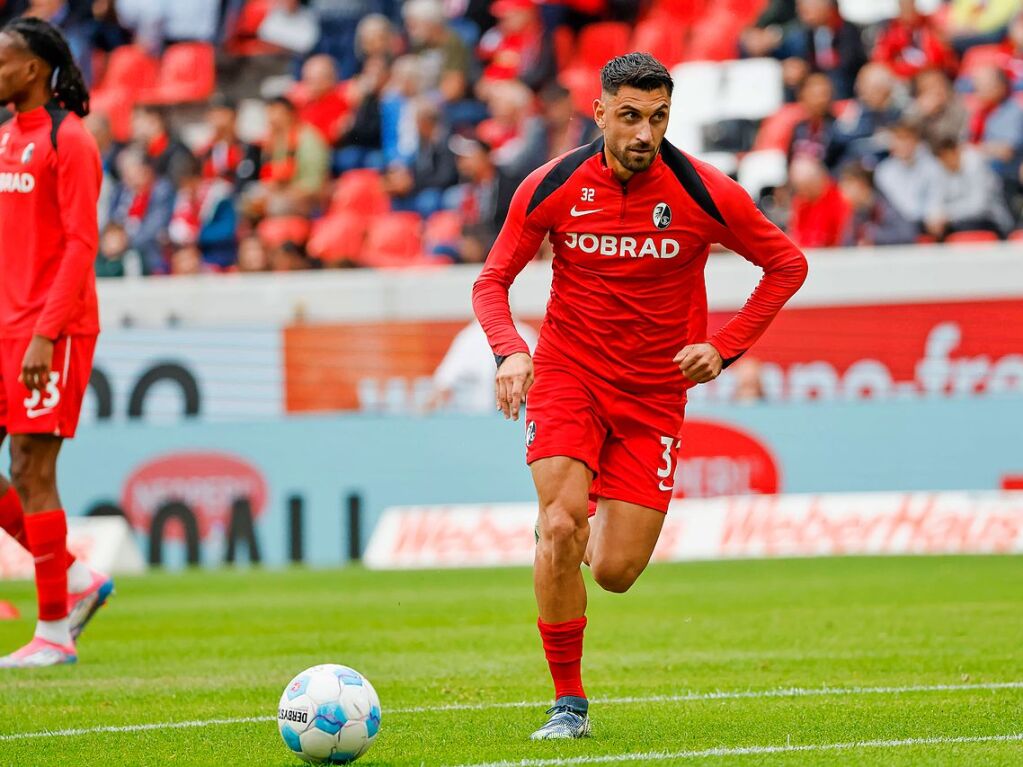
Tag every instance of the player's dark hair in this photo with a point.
(635, 70)
(46, 41)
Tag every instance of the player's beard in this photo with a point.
(637, 163)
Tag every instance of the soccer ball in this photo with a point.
(329, 714)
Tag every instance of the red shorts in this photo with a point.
(629, 441)
(56, 408)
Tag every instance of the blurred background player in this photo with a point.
(50, 179)
(631, 219)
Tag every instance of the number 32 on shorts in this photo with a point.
(666, 472)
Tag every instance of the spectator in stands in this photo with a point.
(397, 110)
(874, 220)
(444, 61)
(294, 164)
(906, 177)
(510, 104)
(99, 126)
(936, 108)
(375, 37)
(252, 255)
(290, 26)
(559, 129)
(966, 195)
(361, 142)
(186, 261)
(484, 197)
(143, 204)
(225, 155)
(826, 43)
(820, 214)
(106, 31)
(517, 48)
(816, 135)
(911, 43)
(320, 100)
(205, 216)
(996, 125)
(978, 22)
(338, 20)
(421, 186)
(861, 132)
(1012, 49)
(288, 257)
(150, 132)
(116, 257)
(767, 33)
(164, 22)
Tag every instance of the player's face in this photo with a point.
(17, 69)
(633, 123)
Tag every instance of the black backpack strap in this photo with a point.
(57, 116)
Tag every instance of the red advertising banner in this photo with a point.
(842, 352)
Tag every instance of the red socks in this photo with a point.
(12, 519)
(563, 646)
(47, 540)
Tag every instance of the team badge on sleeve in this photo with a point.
(662, 215)
(530, 433)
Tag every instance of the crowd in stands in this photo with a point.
(276, 135)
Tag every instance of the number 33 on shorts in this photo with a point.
(41, 402)
(666, 471)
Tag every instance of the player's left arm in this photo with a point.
(748, 232)
(79, 176)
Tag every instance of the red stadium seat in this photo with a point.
(564, 45)
(599, 43)
(681, 12)
(716, 37)
(584, 85)
(243, 38)
(339, 236)
(188, 73)
(663, 40)
(281, 229)
(116, 105)
(971, 236)
(442, 228)
(131, 70)
(394, 240)
(1016, 236)
(361, 191)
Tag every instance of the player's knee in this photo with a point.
(616, 577)
(562, 529)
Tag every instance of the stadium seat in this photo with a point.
(971, 236)
(716, 36)
(761, 170)
(130, 70)
(726, 162)
(687, 136)
(188, 73)
(243, 35)
(584, 85)
(776, 131)
(338, 237)
(564, 45)
(597, 43)
(681, 13)
(278, 230)
(698, 90)
(116, 105)
(361, 191)
(867, 12)
(442, 228)
(662, 39)
(394, 240)
(753, 89)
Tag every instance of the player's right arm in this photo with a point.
(516, 245)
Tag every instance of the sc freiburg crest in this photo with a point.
(662, 215)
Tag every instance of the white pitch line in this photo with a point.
(782, 692)
(655, 756)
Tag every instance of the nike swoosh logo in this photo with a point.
(576, 213)
(37, 413)
(665, 488)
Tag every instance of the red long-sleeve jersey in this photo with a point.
(628, 290)
(50, 176)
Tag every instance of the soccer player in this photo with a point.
(49, 187)
(631, 219)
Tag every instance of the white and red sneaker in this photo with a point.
(81, 606)
(40, 653)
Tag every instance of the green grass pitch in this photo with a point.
(200, 646)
